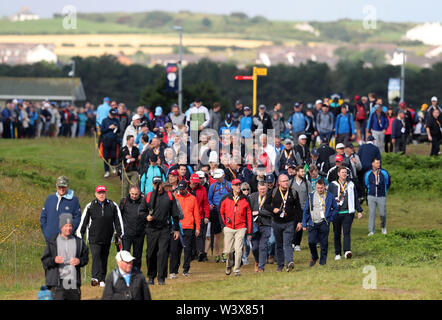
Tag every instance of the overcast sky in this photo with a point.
(291, 10)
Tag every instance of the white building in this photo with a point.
(24, 15)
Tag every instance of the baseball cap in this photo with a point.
(340, 146)
(302, 136)
(238, 102)
(288, 141)
(195, 178)
(136, 117)
(296, 105)
(434, 98)
(124, 255)
(402, 104)
(228, 116)
(200, 174)
(106, 99)
(338, 157)
(262, 106)
(158, 111)
(113, 112)
(62, 181)
(174, 172)
(315, 152)
(270, 178)
(153, 157)
(247, 108)
(318, 101)
(349, 145)
(218, 173)
(197, 100)
(291, 163)
(371, 138)
(357, 98)
(157, 179)
(236, 181)
(100, 189)
(182, 185)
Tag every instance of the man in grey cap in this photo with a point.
(63, 201)
(262, 120)
(62, 259)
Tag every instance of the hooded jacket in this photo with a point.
(236, 215)
(54, 206)
(189, 206)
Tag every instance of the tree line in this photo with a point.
(211, 81)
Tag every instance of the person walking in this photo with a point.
(109, 134)
(346, 197)
(286, 209)
(63, 201)
(237, 217)
(129, 156)
(378, 125)
(100, 218)
(399, 133)
(64, 256)
(126, 282)
(319, 211)
(344, 127)
(159, 208)
(377, 181)
(133, 223)
(434, 131)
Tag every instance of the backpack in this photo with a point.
(360, 112)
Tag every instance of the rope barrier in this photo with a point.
(12, 232)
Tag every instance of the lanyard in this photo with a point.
(233, 173)
(287, 154)
(284, 197)
(261, 201)
(342, 189)
(322, 199)
(236, 199)
(438, 123)
(376, 176)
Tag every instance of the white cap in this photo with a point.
(15, 101)
(318, 101)
(434, 98)
(340, 146)
(213, 156)
(200, 174)
(218, 173)
(302, 136)
(124, 255)
(136, 117)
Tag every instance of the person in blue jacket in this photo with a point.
(377, 125)
(344, 127)
(298, 121)
(154, 170)
(319, 211)
(109, 132)
(377, 181)
(102, 111)
(246, 122)
(63, 201)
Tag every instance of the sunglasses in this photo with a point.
(245, 189)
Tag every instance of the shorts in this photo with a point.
(359, 124)
(215, 225)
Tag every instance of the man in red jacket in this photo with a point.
(204, 210)
(237, 218)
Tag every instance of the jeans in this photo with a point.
(283, 237)
(259, 245)
(381, 204)
(246, 248)
(342, 221)
(271, 248)
(109, 151)
(318, 233)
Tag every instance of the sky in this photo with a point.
(288, 10)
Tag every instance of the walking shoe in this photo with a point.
(278, 269)
(237, 273)
(224, 257)
(312, 263)
(102, 284)
(271, 260)
(256, 267)
(245, 261)
(94, 282)
(173, 276)
(150, 282)
(106, 174)
(384, 230)
(348, 255)
(297, 248)
(260, 270)
(186, 274)
(290, 266)
(338, 257)
(114, 171)
(318, 245)
(370, 234)
(161, 282)
(217, 259)
(293, 246)
(228, 271)
(205, 257)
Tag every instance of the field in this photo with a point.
(407, 260)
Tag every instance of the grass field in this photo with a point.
(407, 260)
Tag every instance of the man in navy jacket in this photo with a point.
(109, 132)
(399, 133)
(320, 209)
(63, 201)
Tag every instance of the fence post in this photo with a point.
(15, 256)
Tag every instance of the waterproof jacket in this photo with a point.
(53, 208)
(133, 222)
(51, 268)
(164, 208)
(236, 215)
(117, 289)
(189, 205)
(200, 193)
(264, 216)
(331, 209)
(378, 189)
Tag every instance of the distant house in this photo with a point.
(25, 14)
(39, 89)
(24, 53)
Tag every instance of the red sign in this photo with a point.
(243, 77)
